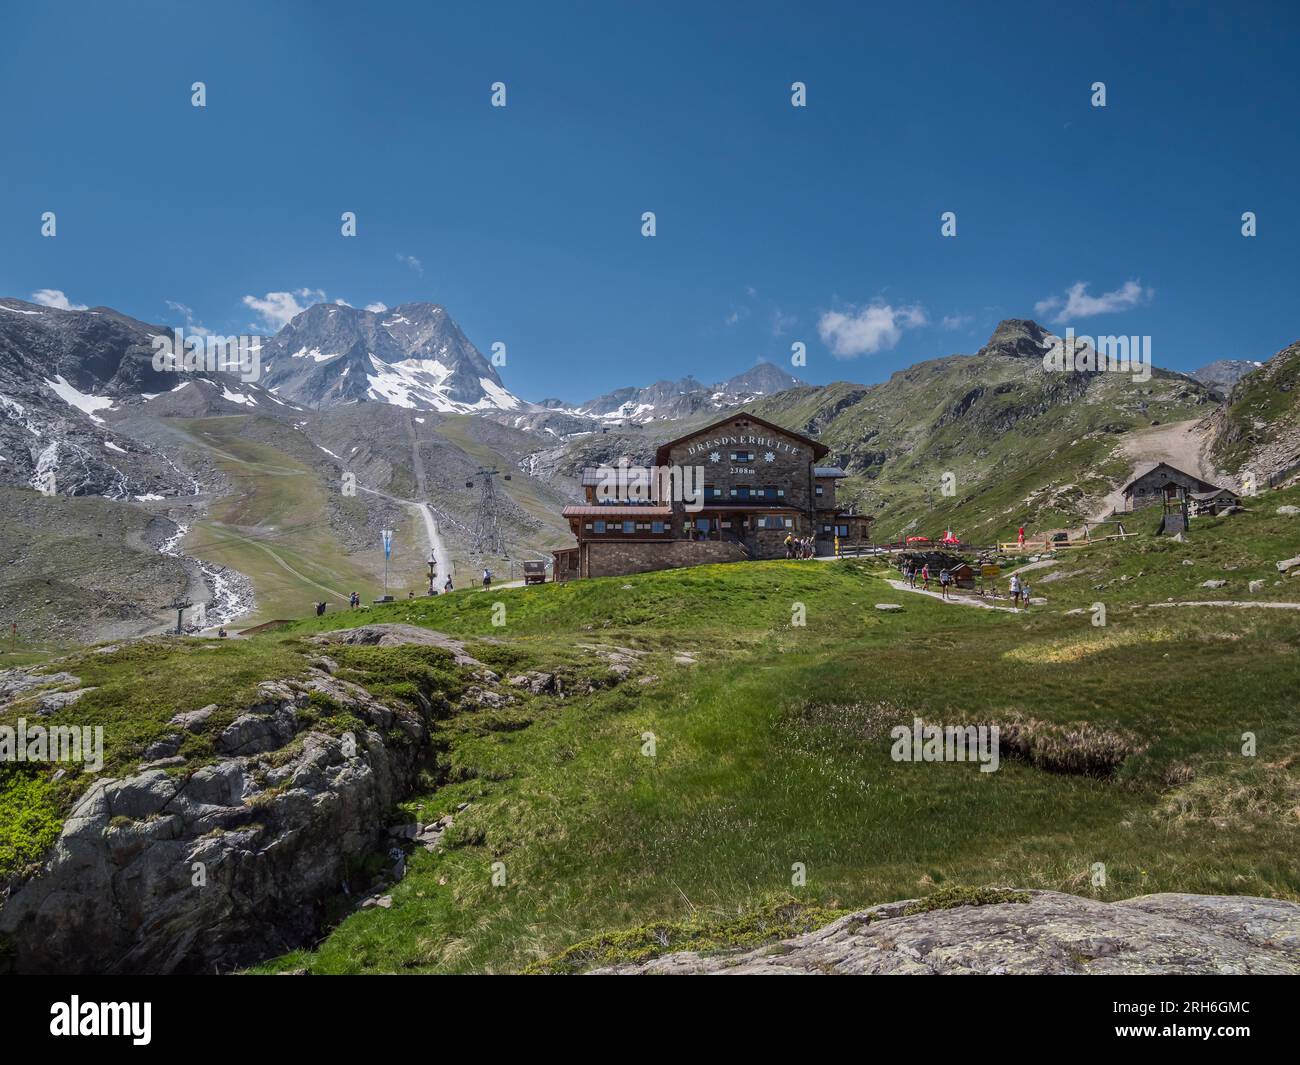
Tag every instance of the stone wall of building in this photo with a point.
(1149, 488)
(614, 559)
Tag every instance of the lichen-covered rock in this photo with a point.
(1052, 933)
(186, 872)
(394, 635)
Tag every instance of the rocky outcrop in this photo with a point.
(188, 870)
(1051, 933)
(393, 635)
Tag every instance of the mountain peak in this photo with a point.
(1018, 338)
(412, 355)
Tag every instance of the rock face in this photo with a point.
(1052, 933)
(174, 871)
(65, 375)
(1018, 338)
(1223, 374)
(414, 355)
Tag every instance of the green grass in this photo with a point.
(771, 800)
(274, 527)
(774, 751)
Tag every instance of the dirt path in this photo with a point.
(1180, 444)
(225, 530)
(1233, 602)
(417, 462)
(442, 560)
(902, 587)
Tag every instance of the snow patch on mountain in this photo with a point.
(85, 403)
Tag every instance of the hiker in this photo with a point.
(447, 587)
(789, 545)
(320, 609)
(221, 632)
(945, 579)
(911, 574)
(1015, 589)
(925, 577)
(1020, 537)
(1024, 593)
(487, 577)
(410, 594)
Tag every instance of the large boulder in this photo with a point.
(165, 871)
(1051, 933)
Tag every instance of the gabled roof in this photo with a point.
(819, 450)
(828, 471)
(1202, 496)
(1149, 469)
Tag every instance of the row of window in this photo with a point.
(630, 528)
(842, 531)
(763, 521)
(744, 491)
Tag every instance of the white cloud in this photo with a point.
(781, 321)
(863, 331)
(54, 297)
(956, 321)
(376, 308)
(191, 326)
(1078, 304)
(279, 308)
(412, 262)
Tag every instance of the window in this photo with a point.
(712, 491)
(587, 526)
(742, 456)
(826, 529)
(656, 526)
(741, 491)
(702, 524)
(842, 531)
(600, 526)
(818, 490)
(629, 527)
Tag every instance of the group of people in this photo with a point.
(800, 546)
(912, 573)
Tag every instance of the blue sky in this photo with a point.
(775, 224)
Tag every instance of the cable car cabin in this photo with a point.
(535, 572)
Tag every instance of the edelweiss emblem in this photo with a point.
(714, 457)
(769, 457)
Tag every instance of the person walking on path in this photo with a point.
(925, 577)
(945, 579)
(1020, 537)
(487, 577)
(447, 587)
(1024, 593)
(1015, 589)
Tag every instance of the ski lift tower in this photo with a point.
(180, 605)
(487, 526)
